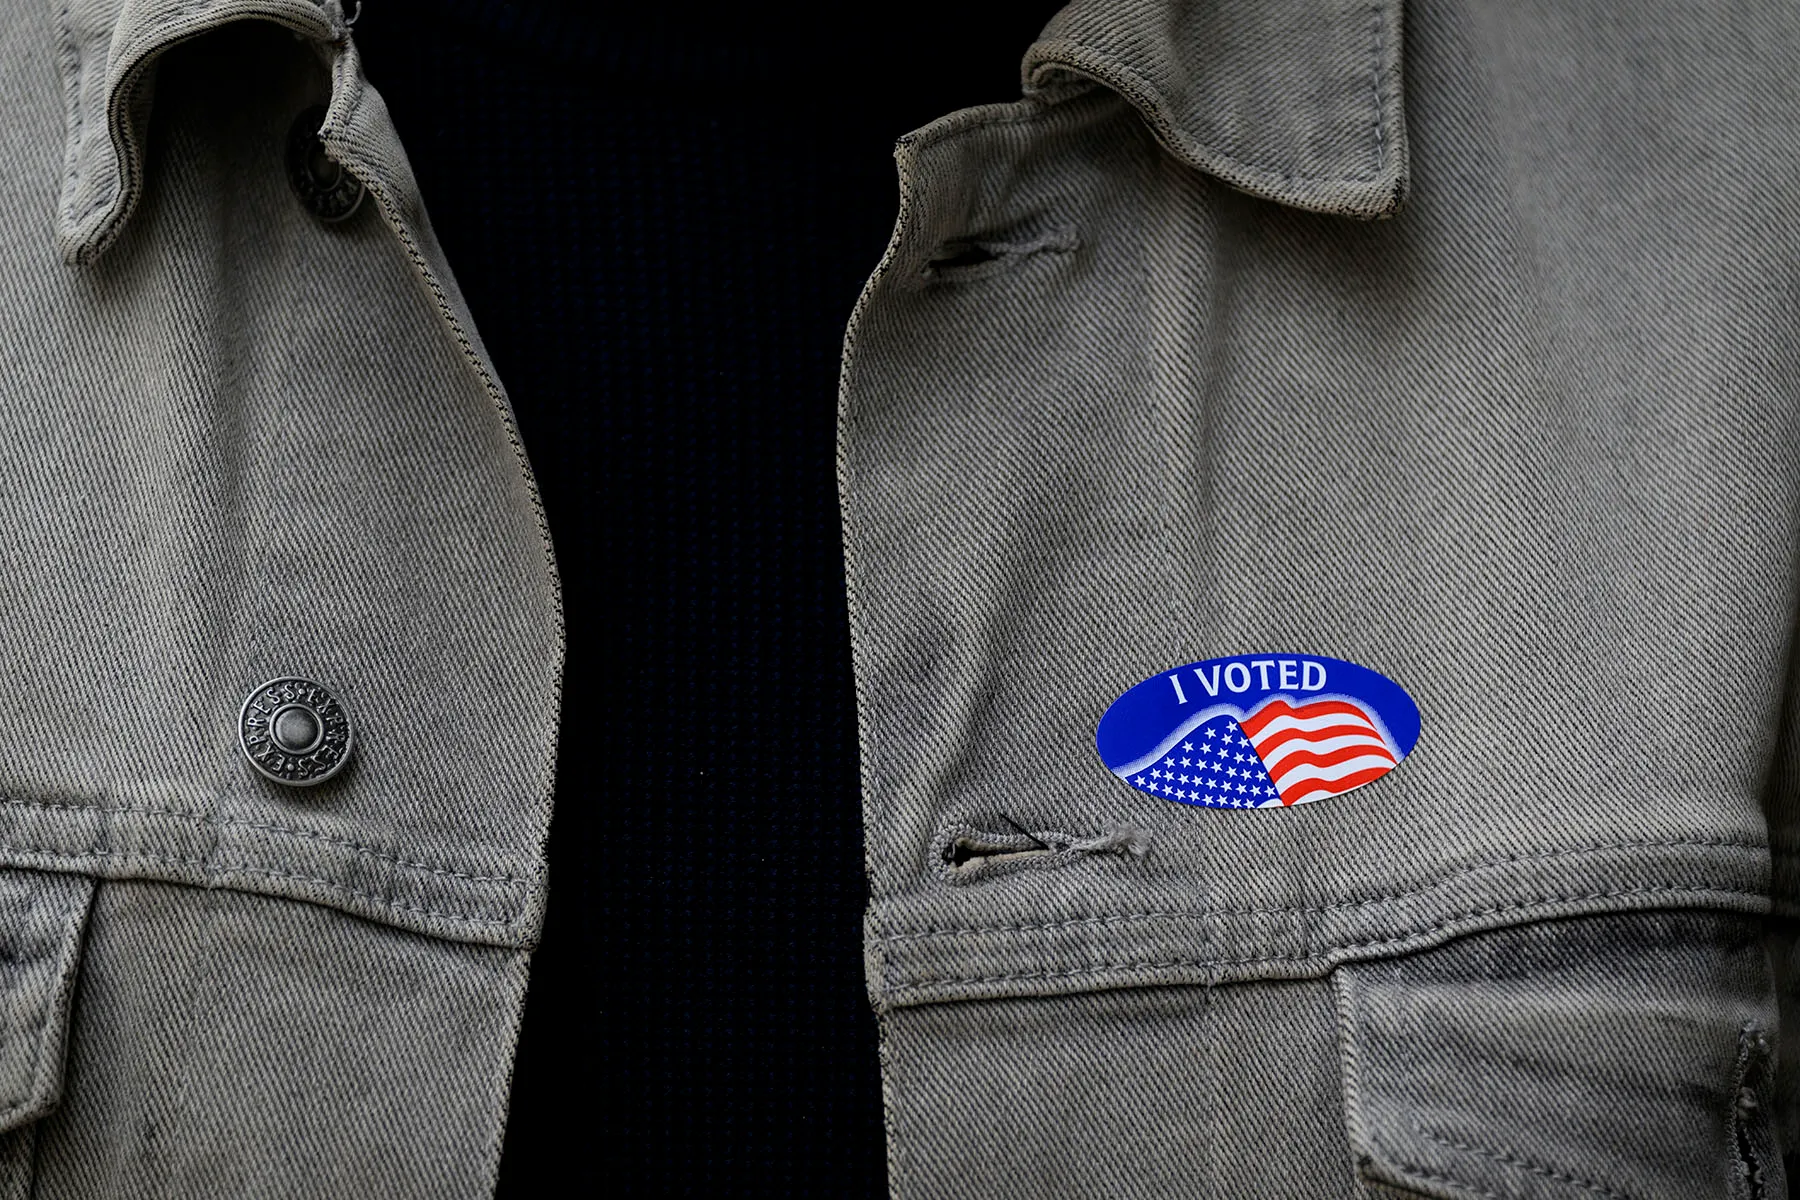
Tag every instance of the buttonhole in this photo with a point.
(968, 851)
(981, 255)
(974, 851)
(965, 255)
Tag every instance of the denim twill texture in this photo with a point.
(1138, 383)
(1616, 1056)
(239, 444)
(262, 449)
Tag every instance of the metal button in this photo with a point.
(329, 192)
(294, 731)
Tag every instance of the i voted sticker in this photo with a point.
(1258, 731)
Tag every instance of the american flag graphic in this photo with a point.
(1320, 748)
(1258, 731)
(1214, 765)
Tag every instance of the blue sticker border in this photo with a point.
(1161, 706)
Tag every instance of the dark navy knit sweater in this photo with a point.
(661, 222)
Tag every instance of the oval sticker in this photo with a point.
(1258, 731)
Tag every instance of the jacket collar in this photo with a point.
(109, 52)
(1296, 101)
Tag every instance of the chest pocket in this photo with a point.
(1623, 1057)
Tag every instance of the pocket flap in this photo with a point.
(1617, 1057)
(42, 918)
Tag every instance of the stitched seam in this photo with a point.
(1512, 1160)
(1375, 91)
(66, 964)
(237, 822)
(74, 65)
(1418, 1172)
(38, 1031)
(67, 942)
(1167, 964)
(212, 869)
(1031, 112)
(1742, 1127)
(497, 398)
(1273, 910)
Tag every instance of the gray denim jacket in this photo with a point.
(1465, 347)
(249, 435)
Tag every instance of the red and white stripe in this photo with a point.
(1319, 749)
